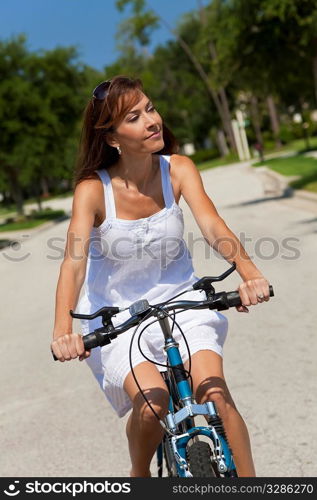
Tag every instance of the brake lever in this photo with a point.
(205, 282)
(105, 312)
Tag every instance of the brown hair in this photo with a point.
(100, 118)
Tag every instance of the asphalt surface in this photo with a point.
(54, 419)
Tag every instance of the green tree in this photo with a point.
(19, 103)
(41, 97)
(186, 34)
(272, 50)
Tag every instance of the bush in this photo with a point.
(8, 220)
(48, 214)
(205, 155)
(287, 134)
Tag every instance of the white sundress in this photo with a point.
(145, 258)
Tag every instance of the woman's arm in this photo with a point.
(217, 233)
(67, 345)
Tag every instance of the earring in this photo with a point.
(119, 150)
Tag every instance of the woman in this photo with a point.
(125, 242)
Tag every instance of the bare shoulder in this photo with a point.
(178, 162)
(81, 222)
(86, 200)
(184, 170)
(193, 191)
(87, 189)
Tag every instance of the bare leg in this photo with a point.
(144, 432)
(209, 385)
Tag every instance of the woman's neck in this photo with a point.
(137, 171)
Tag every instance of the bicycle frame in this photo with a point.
(177, 442)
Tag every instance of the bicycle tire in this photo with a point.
(169, 462)
(199, 460)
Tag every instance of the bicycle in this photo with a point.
(182, 449)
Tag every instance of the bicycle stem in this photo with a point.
(176, 364)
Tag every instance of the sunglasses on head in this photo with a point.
(101, 90)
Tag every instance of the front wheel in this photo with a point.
(199, 460)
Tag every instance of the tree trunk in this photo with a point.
(274, 120)
(315, 76)
(44, 186)
(221, 141)
(15, 189)
(226, 124)
(223, 101)
(227, 118)
(39, 203)
(256, 120)
(38, 197)
(200, 70)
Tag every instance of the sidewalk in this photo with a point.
(24, 234)
(54, 203)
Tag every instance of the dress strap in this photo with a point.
(166, 180)
(108, 193)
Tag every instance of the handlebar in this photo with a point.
(141, 309)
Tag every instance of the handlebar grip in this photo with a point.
(54, 357)
(91, 340)
(234, 297)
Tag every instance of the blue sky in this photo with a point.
(89, 24)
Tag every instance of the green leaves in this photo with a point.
(224, 54)
(138, 27)
(42, 96)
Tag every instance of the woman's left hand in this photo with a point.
(252, 292)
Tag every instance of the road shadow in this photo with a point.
(308, 221)
(288, 193)
(313, 220)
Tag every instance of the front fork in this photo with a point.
(189, 409)
(178, 442)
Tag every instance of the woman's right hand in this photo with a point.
(69, 346)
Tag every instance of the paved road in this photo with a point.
(54, 420)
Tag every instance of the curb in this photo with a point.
(306, 195)
(280, 184)
(21, 234)
(277, 185)
(274, 184)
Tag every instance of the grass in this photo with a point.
(311, 186)
(303, 166)
(30, 221)
(218, 162)
(298, 146)
(7, 210)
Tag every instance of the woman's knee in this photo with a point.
(148, 415)
(222, 400)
